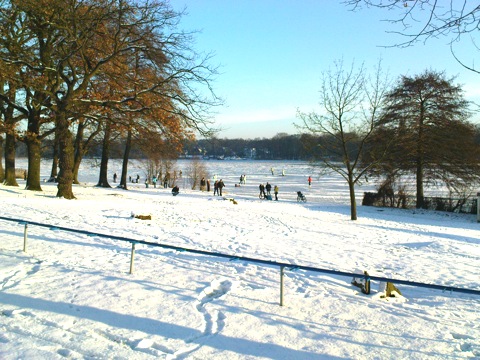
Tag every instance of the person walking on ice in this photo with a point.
(309, 181)
(262, 194)
(220, 186)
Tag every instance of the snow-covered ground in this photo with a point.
(72, 296)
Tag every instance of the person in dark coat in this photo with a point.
(261, 187)
(220, 186)
(268, 187)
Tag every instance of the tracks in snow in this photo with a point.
(214, 319)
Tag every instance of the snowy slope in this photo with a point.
(71, 295)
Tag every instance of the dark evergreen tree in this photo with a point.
(434, 141)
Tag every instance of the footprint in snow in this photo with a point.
(461, 336)
(214, 319)
(216, 289)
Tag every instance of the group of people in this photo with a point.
(272, 170)
(218, 185)
(154, 180)
(132, 180)
(265, 191)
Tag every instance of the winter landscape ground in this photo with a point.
(71, 296)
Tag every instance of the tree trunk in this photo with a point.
(103, 177)
(420, 197)
(420, 159)
(34, 157)
(54, 171)
(65, 152)
(10, 133)
(77, 160)
(353, 202)
(126, 155)
(10, 179)
(79, 150)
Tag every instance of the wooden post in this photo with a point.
(478, 206)
(132, 258)
(25, 238)
(282, 273)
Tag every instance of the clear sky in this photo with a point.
(272, 54)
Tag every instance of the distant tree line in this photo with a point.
(279, 147)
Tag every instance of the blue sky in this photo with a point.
(272, 55)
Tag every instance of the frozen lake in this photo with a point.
(331, 189)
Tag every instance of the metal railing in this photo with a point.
(283, 266)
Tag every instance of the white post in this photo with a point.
(25, 238)
(282, 273)
(132, 257)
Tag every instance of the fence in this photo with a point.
(465, 205)
(282, 266)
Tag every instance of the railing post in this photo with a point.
(478, 206)
(282, 273)
(25, 238)
(132, 257)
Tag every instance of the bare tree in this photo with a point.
(196, 171)
(350, 103)
(65, 47)
(159, 153)
(422, 20)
